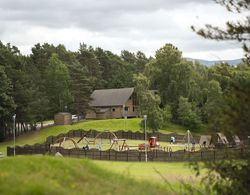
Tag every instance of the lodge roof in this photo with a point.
(110, 97)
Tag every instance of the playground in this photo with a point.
(108, 140)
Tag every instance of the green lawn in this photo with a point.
(173, 172)
(111, 124)
(37, 175)
(51, 175)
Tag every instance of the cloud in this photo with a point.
(115, 25)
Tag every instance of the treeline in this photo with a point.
(53, 79)
(194, 95)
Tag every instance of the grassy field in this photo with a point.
(48, 175)
(173, 172)
(40, 136)
(51, 175)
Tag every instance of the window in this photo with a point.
(126, 108)
(113, 109)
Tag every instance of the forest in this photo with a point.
(53, 79)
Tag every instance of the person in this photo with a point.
(193, 147)
(85, 148)
(242, 145)
(171, 140)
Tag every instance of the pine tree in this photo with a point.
(7, 104)
(80, 88)
(57, 84)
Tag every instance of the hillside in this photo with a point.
(212, 62)
(51, 175)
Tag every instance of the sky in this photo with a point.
(116, 25)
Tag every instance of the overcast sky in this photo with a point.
(115, 25)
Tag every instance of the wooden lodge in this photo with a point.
(113, 103)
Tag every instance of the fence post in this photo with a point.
(214, 154)
(201, 155)
(127, 155)
(116, 155)
(10, 151)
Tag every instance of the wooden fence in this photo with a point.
(120, 134)
(133, 155)
(129, 155)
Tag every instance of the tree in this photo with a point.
(237, 105)
(57, 85)
(214, 105)
(222, 73)
(7, 104)
(23, 86)
(171, 75)
(238, 31)
(87, 58)
(166, 116)
(149, 103)
(141, 61)
(80, 88)
(186, 116)
(232, 177)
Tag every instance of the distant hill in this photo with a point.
(211, 63)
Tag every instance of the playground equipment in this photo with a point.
(219, 140)
(205, 141)
(189, 142)
(120, 147)
(105, 140)
(61, 141)
(152, 144)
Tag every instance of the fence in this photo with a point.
(129, 155)
(132, 155)
(120, 134)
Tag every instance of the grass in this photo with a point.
(40, 136)
(173, 172)
(48, 175)
(51, 175)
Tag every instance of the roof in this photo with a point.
(110, 97)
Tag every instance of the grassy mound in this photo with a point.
(51, 175)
